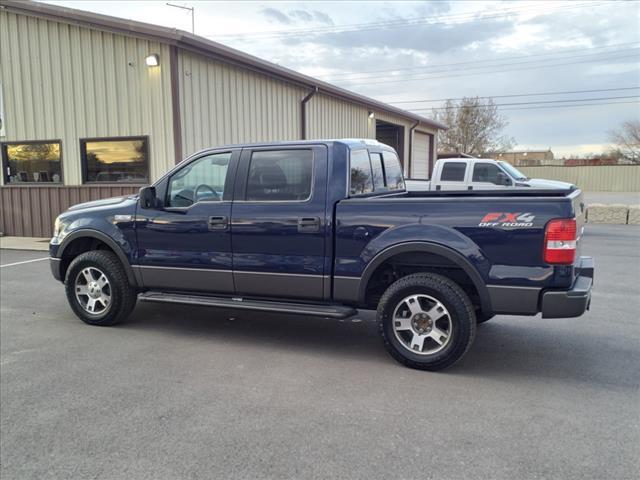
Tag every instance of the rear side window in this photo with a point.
(453, 172)
(393, 171)
(361, 177)
(377, 171)
(486, 172)
(280, 175)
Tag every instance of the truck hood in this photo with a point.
(105, 202)
(542, 183)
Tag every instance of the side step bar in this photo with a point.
(330, 311)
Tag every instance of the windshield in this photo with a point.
(513, 171)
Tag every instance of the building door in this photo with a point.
(186, 245)
(421, 156)
(279, 223)
(392, 135)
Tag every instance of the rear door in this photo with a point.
(278, 223)
(453, 176)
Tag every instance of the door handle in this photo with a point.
(218, 223)
(308, 224)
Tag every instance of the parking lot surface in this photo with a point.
(189, 392)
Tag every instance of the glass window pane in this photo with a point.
(116, 160)
(453, 172)
(32, 162)
(202, 180)
(486, 172)
(361, 181)
(393, 171)
(378, 171)
(280, 175)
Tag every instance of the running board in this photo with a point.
(330, 311)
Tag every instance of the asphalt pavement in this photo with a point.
(195, 393)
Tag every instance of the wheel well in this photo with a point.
(407, 263)
(78, 246)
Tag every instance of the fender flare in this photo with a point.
(117, 249)
(427, 247)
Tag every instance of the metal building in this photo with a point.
(94, 106)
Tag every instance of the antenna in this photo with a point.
(192, 10)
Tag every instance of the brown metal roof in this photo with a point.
(204, 46)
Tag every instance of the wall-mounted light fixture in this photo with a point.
(152, 60)
(370, 114)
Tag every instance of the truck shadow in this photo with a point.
(505, 348)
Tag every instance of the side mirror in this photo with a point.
(503, 179)
(147, 197)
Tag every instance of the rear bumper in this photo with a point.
(573, 302)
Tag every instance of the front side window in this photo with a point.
(115, 160)
(361, 176)
(32, 162)
(202, 180)
(487, 173)
(453, 172)
(393, 171)
(280, 175)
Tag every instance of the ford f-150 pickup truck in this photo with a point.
(469, 173)
(322, 228)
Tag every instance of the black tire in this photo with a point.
(482, 317)
(123, 295)
(460, 312)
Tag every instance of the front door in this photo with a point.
(278, 223)
(186, 245)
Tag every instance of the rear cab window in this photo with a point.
(374, 172)
(393, 171)
(361, 177)
(453, 172)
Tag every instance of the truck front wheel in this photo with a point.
(426, 321)
(97, 288)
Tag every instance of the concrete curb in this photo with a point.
(25, 243)
(634, 215)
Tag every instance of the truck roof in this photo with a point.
(350, 142)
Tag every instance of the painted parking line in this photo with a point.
(26, 261)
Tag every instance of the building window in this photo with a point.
(115, 160)
(280, 175)
(32, 162)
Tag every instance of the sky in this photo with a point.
(419, 53)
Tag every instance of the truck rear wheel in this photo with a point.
(426, 321)
(98, 290)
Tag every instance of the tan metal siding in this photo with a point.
(330, 117)
(600, 178)
(222, 104)
(66, 82)
(30, 211)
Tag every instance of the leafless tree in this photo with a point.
(475, 127)
(627, 140)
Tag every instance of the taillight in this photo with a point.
(560, 242)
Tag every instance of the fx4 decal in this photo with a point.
(502, 219)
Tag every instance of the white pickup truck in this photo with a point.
(478, 174)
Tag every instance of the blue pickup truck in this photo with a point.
(322, 228)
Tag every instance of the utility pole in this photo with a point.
(192, 10)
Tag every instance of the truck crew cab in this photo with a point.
(322, 228)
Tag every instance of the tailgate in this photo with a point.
(580, 210)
